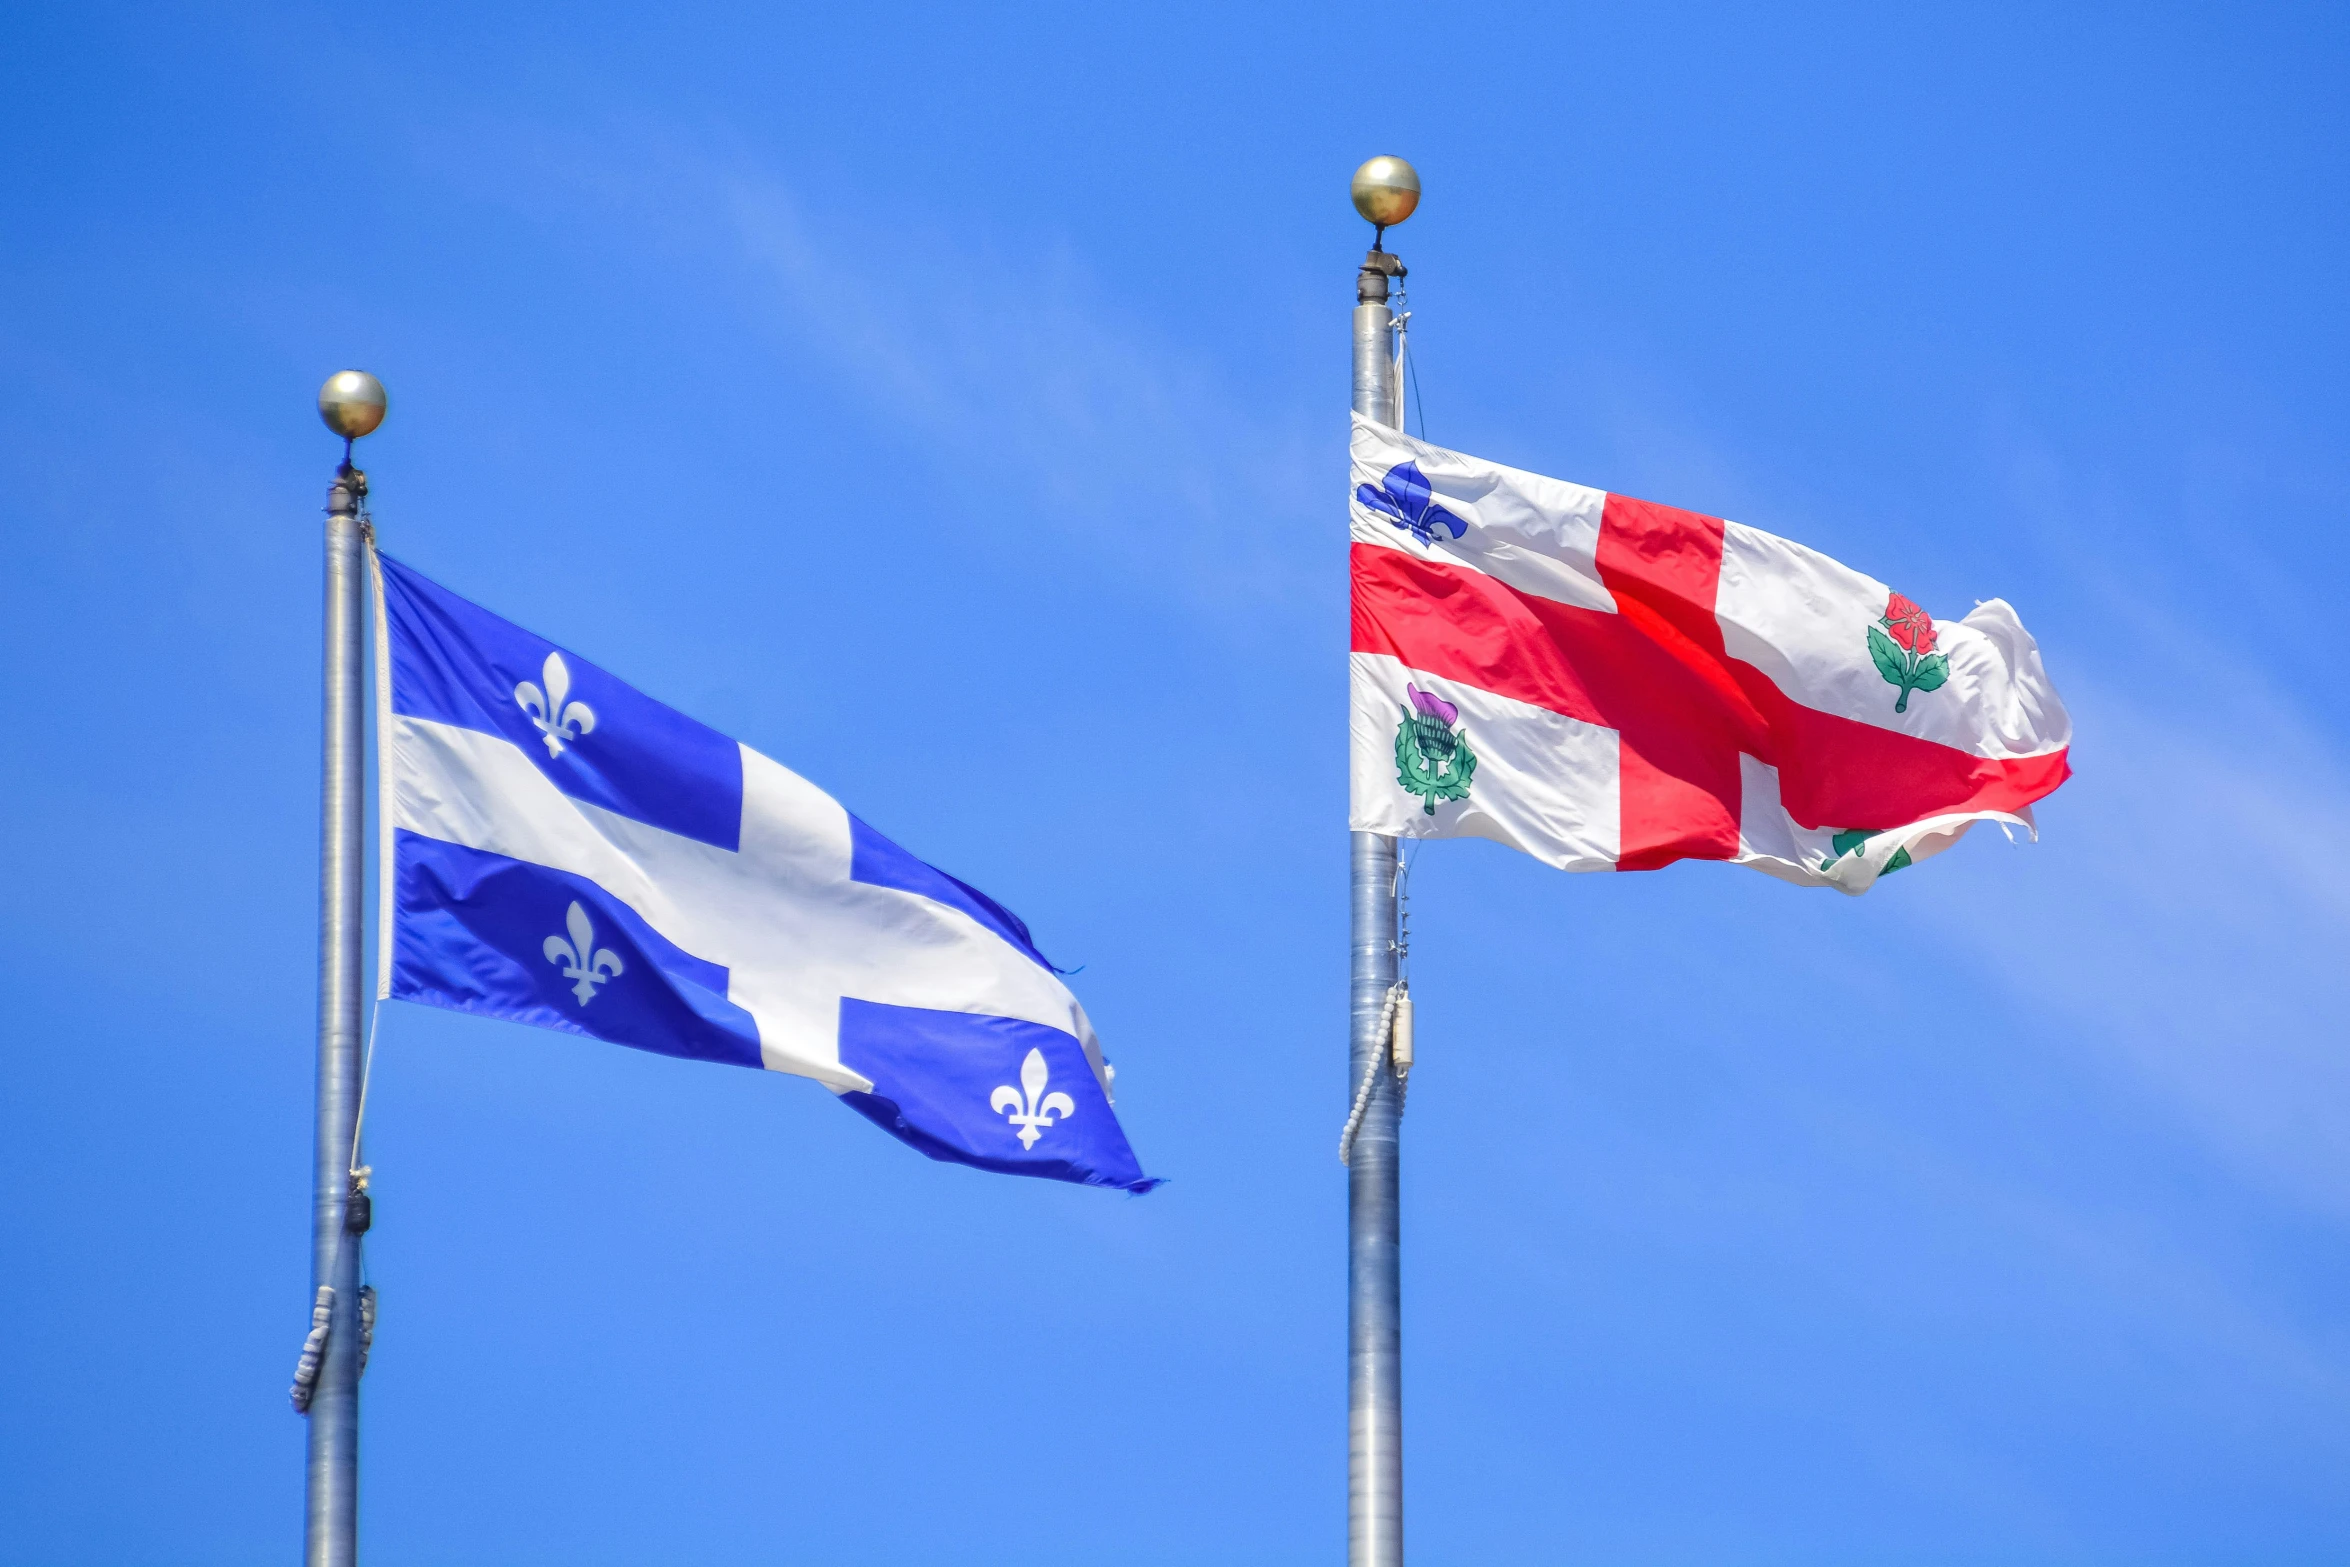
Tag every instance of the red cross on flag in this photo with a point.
(1610, 684)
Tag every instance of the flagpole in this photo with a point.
(352, 403)
(1385, 191)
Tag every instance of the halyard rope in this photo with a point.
(1380, 1056)
(1398, 995)
(375, 1017)
(322, 1305)
(313, 1349)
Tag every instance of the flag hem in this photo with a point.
(383, 783)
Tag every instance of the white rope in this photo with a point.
(1398, 994)
(1402, 326)
(314, 1345)
(322, 1307)
(313, 1349)
(1379, 1057)
(1407, 857)
(360, 1172)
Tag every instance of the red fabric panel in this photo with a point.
(1839, 772)
(1685, 717)
(1656, 674)
(1485, 634)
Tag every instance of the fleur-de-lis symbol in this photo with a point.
(1406, 499)
(557, 720)
(1029, 1107)
(581, 958)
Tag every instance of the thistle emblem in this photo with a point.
(1902, 644)
(1029, 1107)
(1432, 759)
(558, 721)
(581, 958)
(1405, 498)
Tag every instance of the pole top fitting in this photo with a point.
(1371, 281)
(352, 403)
(1386, 191)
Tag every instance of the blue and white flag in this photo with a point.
(560, 849)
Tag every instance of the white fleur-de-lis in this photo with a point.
(581, 958)
(1029, 1107)
(557, 720)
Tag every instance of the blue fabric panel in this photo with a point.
(878, 862)
(934, 1074)
(457, 663)
(472, 936)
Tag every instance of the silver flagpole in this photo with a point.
(1385, 191)
(352, 403)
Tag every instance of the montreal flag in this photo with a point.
(1610, 684)
(561, 850)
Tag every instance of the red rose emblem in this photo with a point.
(1909, 625)
(1902, 647)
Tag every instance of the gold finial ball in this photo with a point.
(352, 403)
(1386, 190)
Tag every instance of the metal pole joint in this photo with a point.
(349, 489)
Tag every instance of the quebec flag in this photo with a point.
(560, 849)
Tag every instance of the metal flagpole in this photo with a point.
(352, 403)
(1385, 191)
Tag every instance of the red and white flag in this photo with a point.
(1610, 684)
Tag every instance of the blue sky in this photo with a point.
(950, 404)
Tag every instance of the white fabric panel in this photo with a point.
(1802, 619)
(781, 915)
(1538, 535)
(1544, 783)
(1768, 838)
(1772, 842)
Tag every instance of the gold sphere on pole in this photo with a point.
(352, 403)
(1386, 191)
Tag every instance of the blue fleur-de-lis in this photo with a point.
(1029, 1107)
(556, 720)
(1405, 499)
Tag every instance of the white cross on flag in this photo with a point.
(1610, 684)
